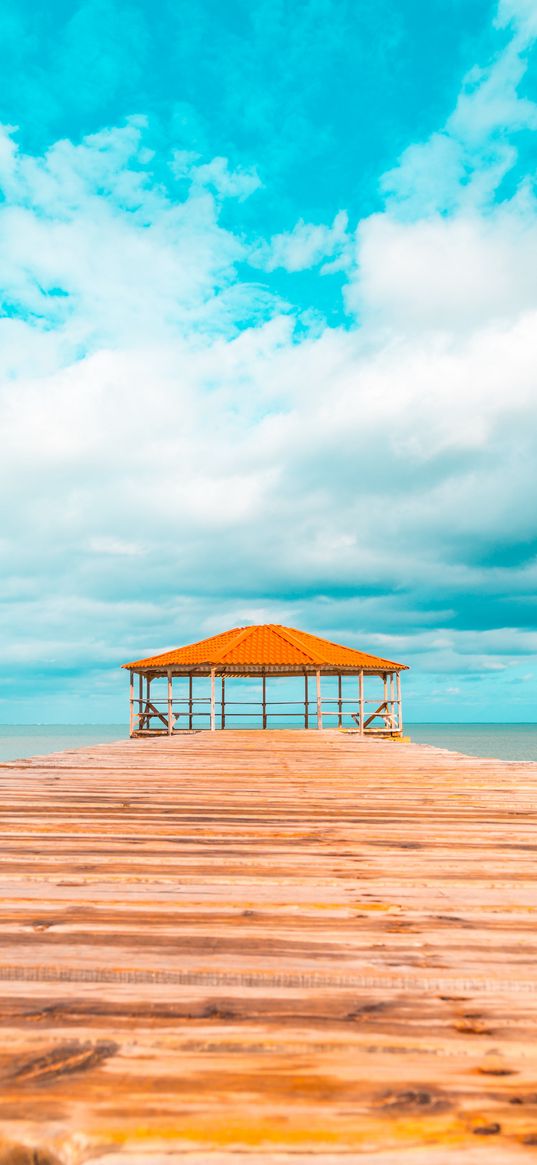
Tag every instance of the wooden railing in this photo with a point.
(195, 712)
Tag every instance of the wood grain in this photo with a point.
(283, 947)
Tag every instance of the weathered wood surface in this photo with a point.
(275, 947)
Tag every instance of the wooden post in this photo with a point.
(399, 704)
(147, 699)
(339, 705)
(361, 701)
(140, 700)
(306, 702)
(170, 702)
(386, 700)
(319, 704)
(223, 709)
(131, 703)
(392, 698)
(264, 699)
(213, 711)
(190, 701)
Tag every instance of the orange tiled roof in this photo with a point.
(267, 645)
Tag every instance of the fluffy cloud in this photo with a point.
(448, 274)
(96, 247)
(182, 453)
(521, 14)
(307, 245)
(462, 166)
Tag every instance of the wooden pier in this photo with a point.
(284, 947)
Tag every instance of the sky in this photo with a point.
(268, 340)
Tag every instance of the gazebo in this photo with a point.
(270, 650)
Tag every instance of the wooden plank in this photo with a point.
(144, 718)
(389, 717)
(267, 946)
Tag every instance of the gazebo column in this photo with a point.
(399, 704)
(386, 700)
(319, 702)
(131, 703)
(339, 704)
(306, 702)
(213, 707)
(223, 704)
(170, 702)
(361, 701)
(140, 699)
(190, 702)
(264, 698)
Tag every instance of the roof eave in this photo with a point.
(383, 665)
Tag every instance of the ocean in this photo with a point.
(20, 740)
(505, 741)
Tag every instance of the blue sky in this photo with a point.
(268, 339)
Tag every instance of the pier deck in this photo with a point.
(267, 946)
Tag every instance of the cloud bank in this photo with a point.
(186, 448)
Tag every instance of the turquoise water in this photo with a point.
(506, 741)
(19, 740)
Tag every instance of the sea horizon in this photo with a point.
(511, 742)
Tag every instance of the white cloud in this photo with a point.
(95, 247)
(447, 254)
(489, 102)
(216, 175)
(522, 14)
(226, 182)
(307, 245)
(462, 166)
(447, 274)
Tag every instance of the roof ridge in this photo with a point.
(332, 642)
(341, 646)
(291, 631)
(243, 633)
(289, 636)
